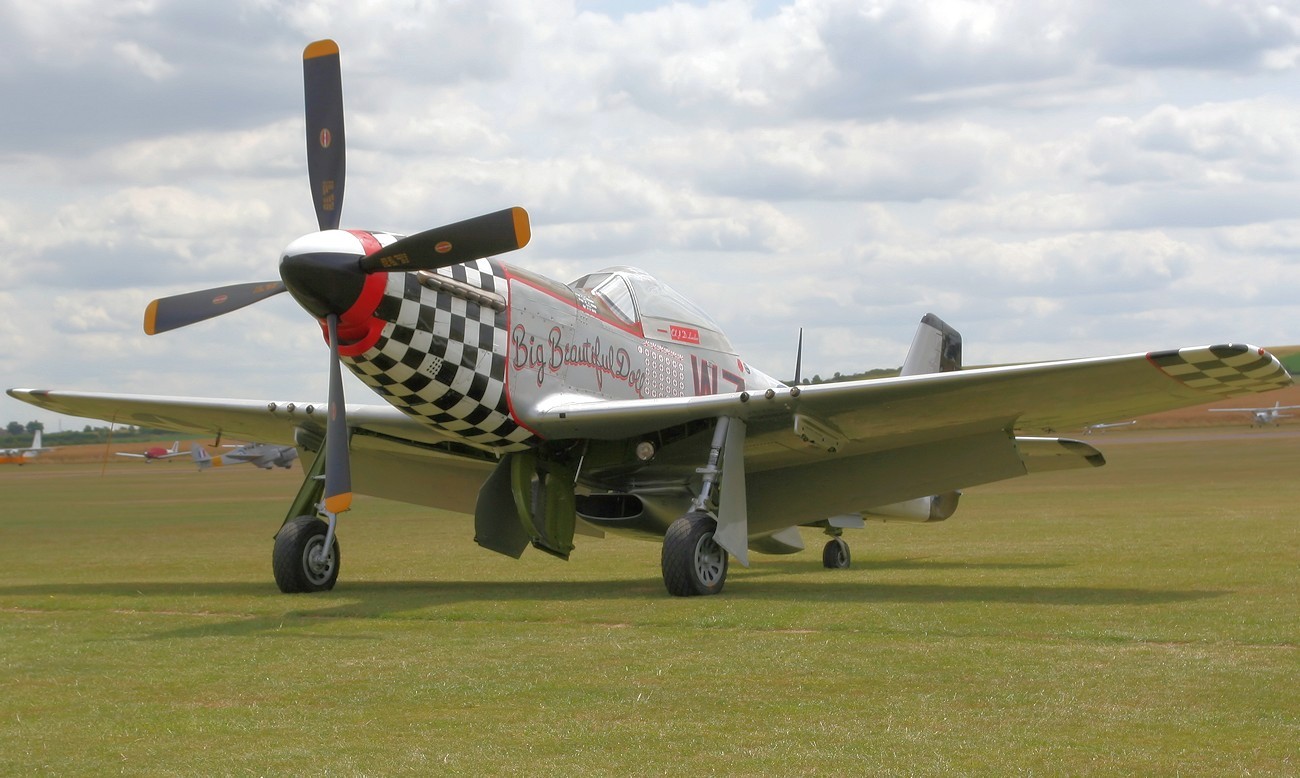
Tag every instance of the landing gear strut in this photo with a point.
(693, 562)
(695, 549)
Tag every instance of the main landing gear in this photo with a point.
(301, 561)
(835, 555)
(693, 562)
(306, 554)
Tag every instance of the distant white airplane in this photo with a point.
(1262, 416)
(25, 454)
(1088, 430)
(263, 455)
(155, 452)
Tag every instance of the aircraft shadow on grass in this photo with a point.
(377, 599)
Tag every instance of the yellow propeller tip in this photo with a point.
(523, 231)
(151, 319)
(321, 48)
(339, 502)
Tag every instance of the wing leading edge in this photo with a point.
(392, 453)
(1034, 398)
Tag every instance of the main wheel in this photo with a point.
(299, 561)
(693, 562)
(836, 554)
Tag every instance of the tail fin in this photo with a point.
(798, 359)
(176, 447)
(201, 456)
(936, 348)
(36, 439)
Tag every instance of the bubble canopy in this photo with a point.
(637, 296)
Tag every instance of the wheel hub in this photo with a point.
(317, 562)
(709, 559)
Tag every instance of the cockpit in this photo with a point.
(634, 296)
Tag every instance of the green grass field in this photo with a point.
(1139, 619)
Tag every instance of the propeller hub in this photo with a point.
(321, 272)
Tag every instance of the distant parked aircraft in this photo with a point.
(1262, 416)
(156, 452)
(21, 456)
(263, 455)
(1088, 430)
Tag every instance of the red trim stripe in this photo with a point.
(638, 330)
(359, 330)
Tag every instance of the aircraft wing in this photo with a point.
(892, 439)
(391, 453)
(839, 448)
(253, 419)
(1034, 398)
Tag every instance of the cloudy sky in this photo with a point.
(1054, 178)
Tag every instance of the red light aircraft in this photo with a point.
(155, 452)
(612, 403)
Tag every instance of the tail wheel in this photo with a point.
(300, 561)
(835, 555)
(693, 563)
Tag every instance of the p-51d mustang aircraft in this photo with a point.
(612, 403)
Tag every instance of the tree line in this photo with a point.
(16, 434)
(880, 372)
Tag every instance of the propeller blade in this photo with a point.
(338, 469)
(326, 163)
(481, 236)
(168, 313)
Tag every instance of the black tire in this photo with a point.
(291, 559)
(835, 556)
(693, 563)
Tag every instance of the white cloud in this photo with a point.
(150, 64)
(1051, 178)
